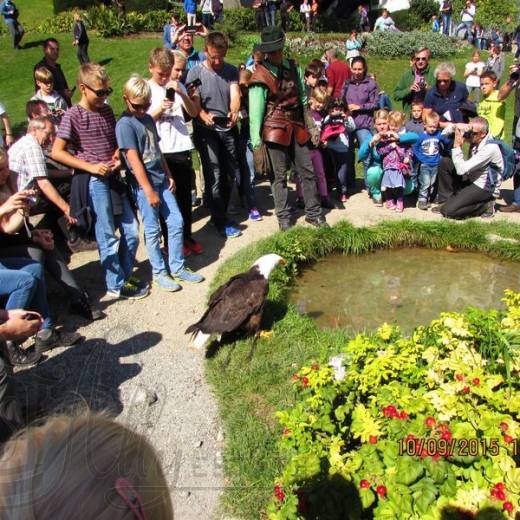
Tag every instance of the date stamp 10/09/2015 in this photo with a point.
(452, 447)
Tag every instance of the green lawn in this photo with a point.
(124, 56)
(33, 12)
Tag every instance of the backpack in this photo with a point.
(508, 156)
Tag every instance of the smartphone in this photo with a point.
(193, 84)
(191, 29)
(221, 120)
(170, 94)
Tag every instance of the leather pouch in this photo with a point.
(278, 132)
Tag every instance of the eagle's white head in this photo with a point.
(267, 263)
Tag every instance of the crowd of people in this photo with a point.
(90, 177)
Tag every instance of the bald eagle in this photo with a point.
(237, 305)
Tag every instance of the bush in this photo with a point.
(394, 45)
(107, 22)
(492, 13)
(64, 5)
(424, 9)
(407, 428)
(405, 20)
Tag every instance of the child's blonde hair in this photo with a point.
(432, 118)
(320, 95)
(396, 118)
(161, 58)
(90, 72)
(43, 74)
(381, 114)
(68, 467)
(178, 56)
(137, 88)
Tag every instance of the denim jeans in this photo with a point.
(364, 134)
(270, 14)
(342, 173)
(117, 255)
(152, 229)
(22, 280)
(247, 173)
(516, 192)
(467, 28)
(446, 23)
(427, 177)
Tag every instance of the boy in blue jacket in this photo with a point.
(426, 151)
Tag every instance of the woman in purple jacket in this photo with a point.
(361, 94)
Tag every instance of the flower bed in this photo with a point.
(254, 382)
(409, 425)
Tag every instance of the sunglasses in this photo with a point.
(140, 106)
(102, 92)
(443, 80)
(421, 59)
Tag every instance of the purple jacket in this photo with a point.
(364, 93)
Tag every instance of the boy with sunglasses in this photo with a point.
(153, 185)
(86, 141)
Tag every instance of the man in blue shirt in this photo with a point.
(10, 14)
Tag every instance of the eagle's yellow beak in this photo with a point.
(283, 261)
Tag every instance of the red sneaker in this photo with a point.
(194, 246)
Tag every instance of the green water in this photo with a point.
(408, 287)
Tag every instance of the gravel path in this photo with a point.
(136, 362)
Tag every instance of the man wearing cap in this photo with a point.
(416, 80)
(277, 116)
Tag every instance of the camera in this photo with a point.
(191, 29)
(193, 84)
(220, 120)
(467, 134)
(170, 94)
(515, 75)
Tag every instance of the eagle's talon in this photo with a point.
(266, 334)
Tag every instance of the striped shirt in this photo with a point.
(90, 136)
(26, 159)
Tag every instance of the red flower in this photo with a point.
(435, 457)
(381, 491)
(475, 381)
(508, 438)
(499, 486)
(504, 426)
(442, 427)
(364, 484)
(403, 416)
(410, 437)
(280, 495)
(459, 377)
(500, 495)
(429, 422)
(390, 411)
(465, 390)
(315, 366)
(424, 453)
(305, 381)
(296, 377)
(446, 435)
(372, 439)
(508, 506)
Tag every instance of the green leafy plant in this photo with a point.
(394, 44)
(410, 426)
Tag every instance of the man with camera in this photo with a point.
(214, 130)
(416, 80)
(513, 83)
(183, 41)
(473, 184)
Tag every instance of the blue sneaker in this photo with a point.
(231, 231)
(254, 215)
(166, 282)
(186, 275)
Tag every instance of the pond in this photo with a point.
(408, 287)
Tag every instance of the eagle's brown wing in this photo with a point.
(233, 303)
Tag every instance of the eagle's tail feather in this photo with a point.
(199, 339)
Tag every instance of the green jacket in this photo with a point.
(402, 90)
